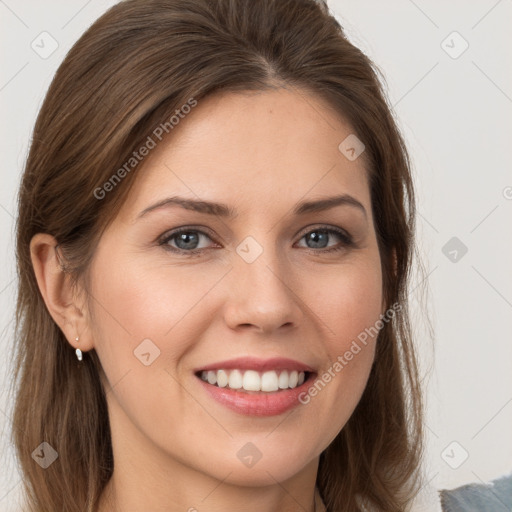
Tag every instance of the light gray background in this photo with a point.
(455, 114)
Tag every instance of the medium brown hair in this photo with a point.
(128, 73)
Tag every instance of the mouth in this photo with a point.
(256, 387)
(252, 381)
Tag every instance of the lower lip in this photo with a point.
(257, 404)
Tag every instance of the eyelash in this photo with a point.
(346, 240)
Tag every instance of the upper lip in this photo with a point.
(261, 365)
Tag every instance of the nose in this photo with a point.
(262, 296)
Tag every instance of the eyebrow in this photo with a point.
(223, 210)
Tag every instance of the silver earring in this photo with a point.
(78, 352)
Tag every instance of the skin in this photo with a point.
(175, 448)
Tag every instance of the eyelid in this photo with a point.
(171, 233)
(325, 227)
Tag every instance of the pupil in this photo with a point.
(185, 237)
(315, 236)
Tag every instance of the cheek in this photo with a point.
(147, 319)
(348, 303)
(140, 302)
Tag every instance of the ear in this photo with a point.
(60, 297)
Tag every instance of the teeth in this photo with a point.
(235, 379)
(283, 380)
(269, 381)
(250, 380)
(222, 379)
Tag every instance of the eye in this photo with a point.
(318, 238)
(185, 240)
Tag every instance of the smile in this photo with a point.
(256, 387)
(251, 380)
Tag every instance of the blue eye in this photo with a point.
(320, 237)
(187, 241)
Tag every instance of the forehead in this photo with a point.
(253, 148)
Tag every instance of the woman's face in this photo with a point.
(258, 291)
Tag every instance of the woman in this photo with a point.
(216, 227)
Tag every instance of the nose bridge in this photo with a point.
(261, 288)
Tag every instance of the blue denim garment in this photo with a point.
(493, 497)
